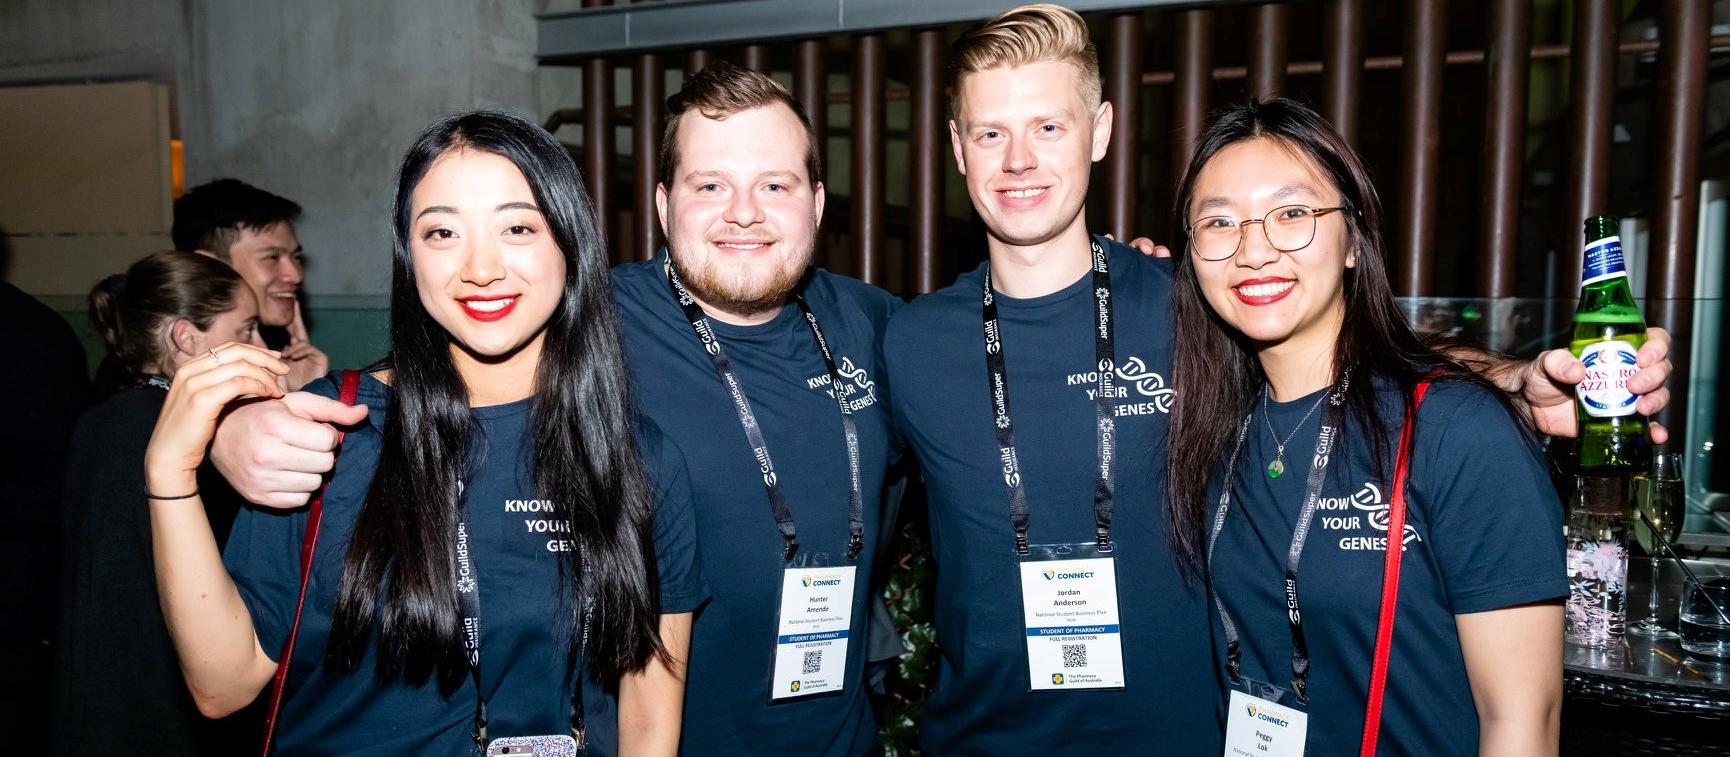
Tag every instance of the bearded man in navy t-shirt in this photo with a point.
(722, 331)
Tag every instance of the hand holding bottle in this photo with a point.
(1611, 378)
(1547, 385)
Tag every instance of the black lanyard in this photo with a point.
(754, 434)
(997, 376)
(469, 604)
(1300, 659)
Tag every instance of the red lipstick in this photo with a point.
(1263, 291)
(485, 310)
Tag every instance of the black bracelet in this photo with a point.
(148, 495)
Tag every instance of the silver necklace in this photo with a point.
(1276, 467)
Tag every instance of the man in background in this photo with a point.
(253, 231)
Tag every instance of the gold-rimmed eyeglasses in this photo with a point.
(1288, 228)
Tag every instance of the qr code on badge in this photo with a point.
(1075, 655)
(813, 662)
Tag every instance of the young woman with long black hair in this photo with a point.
(116, 680)
(507, 549)
(1299, 373)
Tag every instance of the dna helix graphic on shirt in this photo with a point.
(1133, 374)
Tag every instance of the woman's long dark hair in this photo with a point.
(399, 568)
(1216, 368)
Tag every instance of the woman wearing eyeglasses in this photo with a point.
(1300, 373)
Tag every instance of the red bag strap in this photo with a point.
(1390, 578)
(314, 514)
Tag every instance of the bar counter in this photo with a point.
(1647, 696)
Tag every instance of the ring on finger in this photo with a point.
(214, 357)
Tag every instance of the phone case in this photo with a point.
(561, 745)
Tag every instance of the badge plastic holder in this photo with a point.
(1070, 614)
(1263, 721)
(809, 573)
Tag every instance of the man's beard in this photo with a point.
(739, 293)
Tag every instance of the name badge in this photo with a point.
(811, 635)
(1069, 603)
(1256, 727)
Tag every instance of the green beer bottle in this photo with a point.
(1608, 332)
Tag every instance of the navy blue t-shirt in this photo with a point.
(1483, 532)
(981, 703)
(727, 707)
(525, 625)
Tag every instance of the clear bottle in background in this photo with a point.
(1597, 536)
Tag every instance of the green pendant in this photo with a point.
(1276, 468)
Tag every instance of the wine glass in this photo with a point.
(1662, 502)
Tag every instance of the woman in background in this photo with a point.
(117, 686)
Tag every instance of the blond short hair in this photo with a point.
(1023, 36)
